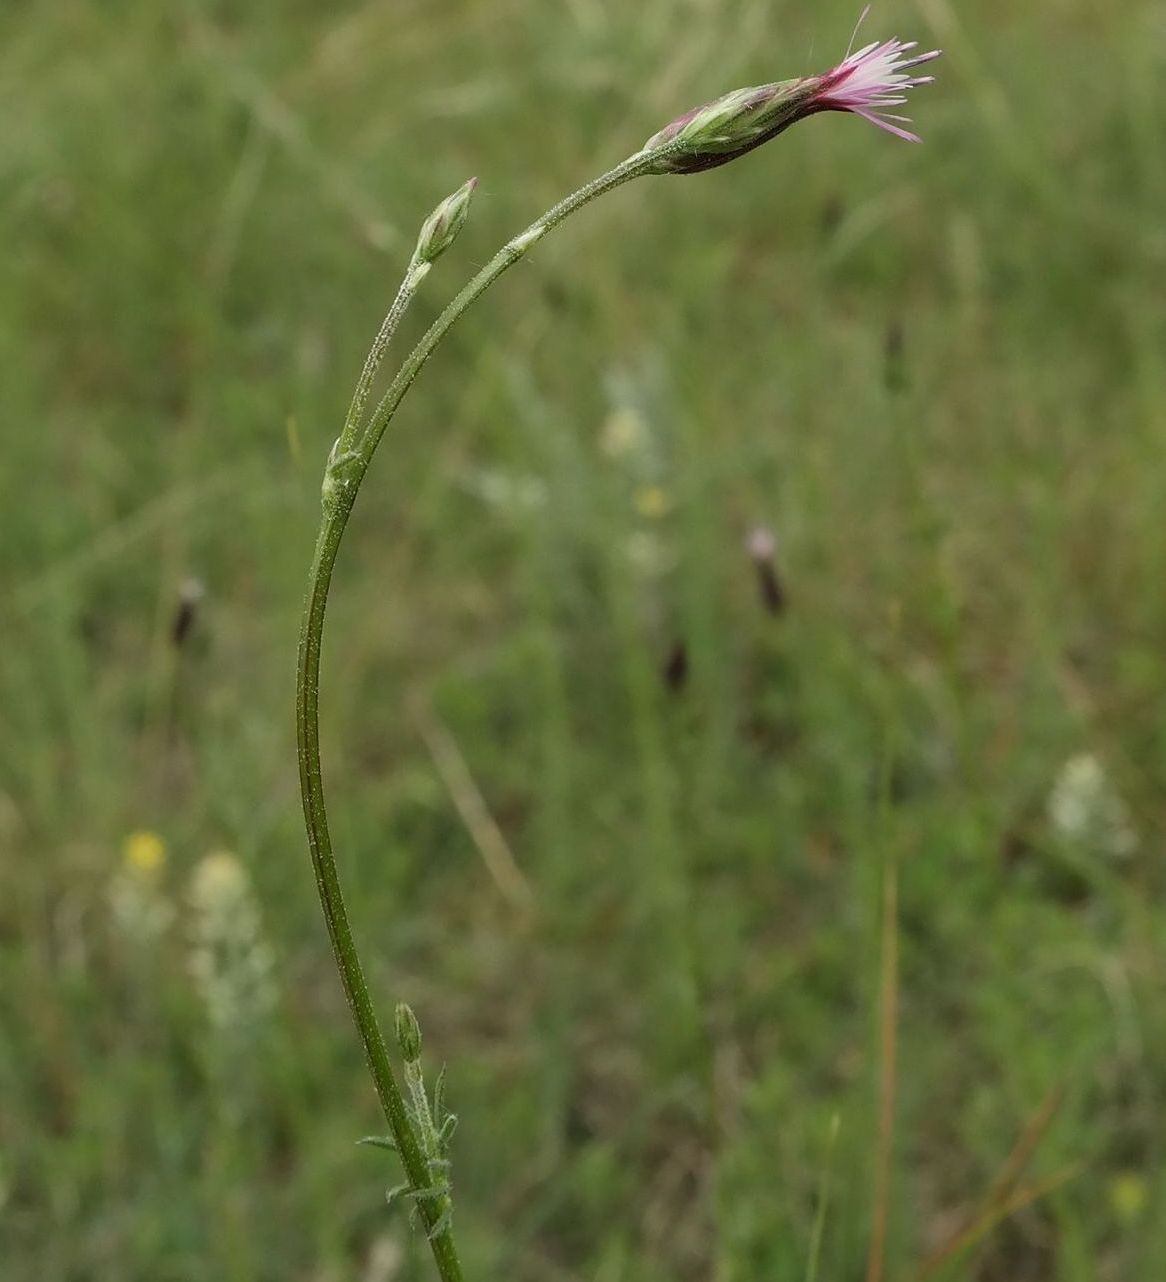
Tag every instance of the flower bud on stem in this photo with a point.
(408, 1034)
(443, 226)
(438, 232)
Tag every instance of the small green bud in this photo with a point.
(441, 228)
(408, 1034)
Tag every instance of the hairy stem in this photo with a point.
(505, 258)
(328, 881)
(346, 471)
(415, 273)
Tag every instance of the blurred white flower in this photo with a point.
(385, 1259)
(505, 490)
(1085, 809)
(649, 553)
(623, 432)
(231, 963)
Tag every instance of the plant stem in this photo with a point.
(506, 257)
(340, 490)
(328, 881)
(415, 273)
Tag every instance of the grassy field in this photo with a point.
(883, 866)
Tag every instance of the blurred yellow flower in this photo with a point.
(144, 852)
(1128, 1196)
(137, 898)
(651, 502)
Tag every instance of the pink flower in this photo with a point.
(870, 81)
(865, 83)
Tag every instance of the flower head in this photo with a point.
(1086, 810)
(624, 432)
(651, 502)
(231, 963)
(869, 81)
(761, 544)
(137, 898)
(144, 852)
(865, 83)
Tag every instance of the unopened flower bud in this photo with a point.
(442, 227)
(729, 126)
(408, 1034)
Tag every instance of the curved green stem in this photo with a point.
(328, 882)
(415, 273)
(505, 258)
(346, 470)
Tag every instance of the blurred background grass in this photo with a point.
(938, 374)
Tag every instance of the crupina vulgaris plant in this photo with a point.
(867, 83)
